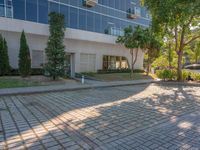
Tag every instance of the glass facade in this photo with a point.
(107, 16)
(115, 62)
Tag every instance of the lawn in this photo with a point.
(119, 76)
(6, 82)
(17, 81)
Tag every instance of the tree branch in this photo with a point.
(193, 39)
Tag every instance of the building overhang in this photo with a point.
(15, 25)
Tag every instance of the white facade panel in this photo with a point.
(76, 42)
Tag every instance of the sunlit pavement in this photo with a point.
(146, 117)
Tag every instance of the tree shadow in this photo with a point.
(156, 117)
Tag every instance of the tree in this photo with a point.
(24, 57)
(133, 39)
(179, 18)
(1, 54)
(4, 59)
(153, 49)
(55, 47)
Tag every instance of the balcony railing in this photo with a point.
(115, 31)
(90, 3)
(134, 13)
(6, 11)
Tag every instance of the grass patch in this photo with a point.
(119, 76)
(6, 82)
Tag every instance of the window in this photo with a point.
(87, 62)
(82, 19)
(19, 9)
(37, 58)
(73, 18)
(53, 7)
(43, 11)
(65, 11)
(2, 10)
(90, 21)
(114, 62)
(31, 10)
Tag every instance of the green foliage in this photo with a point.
(24, 57)
(55, 47)
(153, 46)
(134, 39)
(171, 74)
(4, 59)
(119, 71)
(167, 74)
(178, 20)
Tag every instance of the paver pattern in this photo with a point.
(142, 117)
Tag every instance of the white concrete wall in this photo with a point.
(76, 41)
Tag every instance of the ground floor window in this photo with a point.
(115, 62)
(87, 62)
(37, 58)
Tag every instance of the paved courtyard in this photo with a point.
(145, 117)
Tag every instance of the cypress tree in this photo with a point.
(55, 48)
(4, 60)
(1, 55)
(6, 66)
(24, 57)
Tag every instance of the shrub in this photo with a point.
(167, 74)
(24, 57)
(119, 71)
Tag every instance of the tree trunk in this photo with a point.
(131, 75)
(148, 65)
(179, 69)
(54, 78)
(133, 60)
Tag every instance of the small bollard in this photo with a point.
(83, 80)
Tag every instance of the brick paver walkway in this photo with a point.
(146, 117)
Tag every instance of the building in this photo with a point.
(92, 29)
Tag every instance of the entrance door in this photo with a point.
(69, 65)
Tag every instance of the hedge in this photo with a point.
(119, 71)
(171, 74)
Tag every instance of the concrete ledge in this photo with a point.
(60, 88)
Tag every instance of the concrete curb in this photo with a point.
(43, 89)
(46, 89)
(177, 83)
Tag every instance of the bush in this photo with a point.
(167, 74)
(34, 71)
(119, 71)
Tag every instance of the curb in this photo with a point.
(72, 89)
(176, 83)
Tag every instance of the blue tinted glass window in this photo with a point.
(73, 18)
(82, 19)
(2, 11)
(65, 11)
(65, 1)
(74, 2)
(111, 3)
(90, 21)
(53, 7)
(43, 11)
(19, 9)
(105, 23)
(97, 23)
(31, 10)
